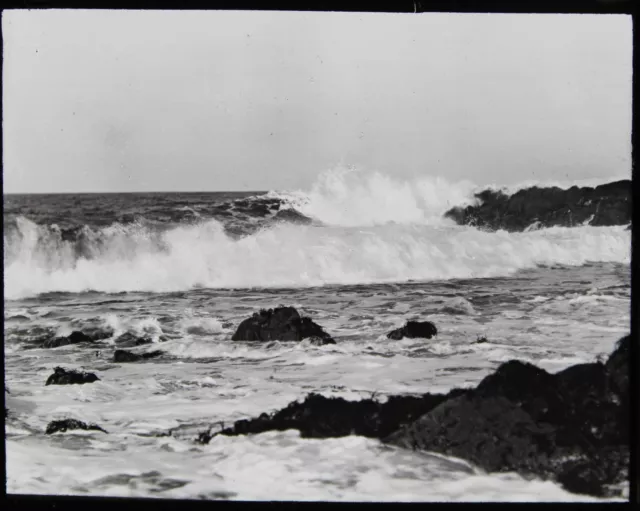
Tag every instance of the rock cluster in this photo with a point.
(604, 205)
(571, 427)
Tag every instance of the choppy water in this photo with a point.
(554, 297)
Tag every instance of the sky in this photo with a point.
(123, 101)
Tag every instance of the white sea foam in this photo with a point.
(374, 229)
(288, 255)
(349, 198)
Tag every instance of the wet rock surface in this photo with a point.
(413, 330)
(281, 324)
(60, 426)
(129, 340)
(63, 376)
(76, 337)
(571, 426)
(604, 205)
(326, 417)
(128, 356)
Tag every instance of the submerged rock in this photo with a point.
(282, 324)
(607, 204)
(75, 337)
(128, 356)
(413, 330)
(70, 424)
(62, 376)
(129, 340)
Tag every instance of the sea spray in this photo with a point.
(203, 255)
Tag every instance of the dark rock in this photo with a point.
(491, 432)
(481, 339)
(413, 330)
(324, 417)
(76, 337)
(586, 474)
(62, 376)
(608, 204)
(129, 340)
(618, 367)
(70, 424)
(571, 426)
(128, 356)
(281, 324)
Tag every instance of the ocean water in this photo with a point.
(185, 269)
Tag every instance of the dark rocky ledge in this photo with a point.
(604, 205)
(76, 337)
(280, 324)
(70, 424)
(414, 330)
(571, 426)
(62, 376)
(128, 356)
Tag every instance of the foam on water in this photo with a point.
(287, 255)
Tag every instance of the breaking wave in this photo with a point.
(135, 257)
(350, 198)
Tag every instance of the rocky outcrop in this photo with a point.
(129, 340)
(70, 424)
(604, 205)
(62, 376)
(413, 330)
(280, 324)
(128, 356)
(571, 426)
(325, 417)
(76, 337)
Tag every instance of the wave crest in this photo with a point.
(348, 197)
(137, 258)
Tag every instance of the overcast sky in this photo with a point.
(106, 101)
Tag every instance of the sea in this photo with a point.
(359, 254)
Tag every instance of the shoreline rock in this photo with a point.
(128, 356)
(280, 324)
(605, 205)
(75, 337)
(414, 330)
(63, 376)
(70, 424)
(570, 426)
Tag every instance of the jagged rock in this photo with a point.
(413, 330)
(324, 417)
(127, 356)
(571, 426)
(607, 204)
(62, 376)
(281, 324)
(70, 424)
(129, 340)
(75, 337)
